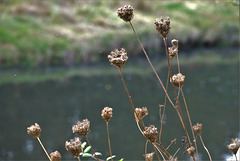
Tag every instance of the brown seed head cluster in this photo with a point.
(149, 156)
(173, 51)
(34, 130)
(198, 128)
(107, 114)
(191, 151)
(234, 146)
(55, 156)
(125, 13)
(141, 113)
(74, 146)
(118, 58)
(151, 133)
(177, 80)
(82, 128)
(163, 26)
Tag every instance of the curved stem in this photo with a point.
(78, 158)
(164, 107)
(146, 149)
(91, 148)
(205, 148)
(43, 148)
(178, 64)
(190, 122)
(183, 123)
(151, 65)
(109, 144)
(129, 97)
(155, 147)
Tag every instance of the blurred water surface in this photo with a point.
(211, 92)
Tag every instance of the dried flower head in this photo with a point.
(151, 133)
(34, 130)
(191, 151)
(234, 146)
(125, 12)
(55, 156)
(173, 51)
(177, 80)
(163, 26)
(118, 58)
(82, 128)
(141, 113)
(74, 146)
(149, 156)
(198, 128)
(107, 114)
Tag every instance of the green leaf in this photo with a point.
(110, 157)
(98, 153)
(83, 145)
(87, 155)
(87, 149)
(121, 159)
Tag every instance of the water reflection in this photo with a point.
(212, 96)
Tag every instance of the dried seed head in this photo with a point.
(151, 133)
(177, 80)
(125, 12)
(234, 146)
(107, 114)
(118, 58)
(173, 51)
(81, 128)
(149, 156)
(34, 130)
(191, 151)
(198, 128)
(74, 146)
(55, 156)
(163, 26)
(175, 43)
(141, 113)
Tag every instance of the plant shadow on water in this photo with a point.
(211, 92)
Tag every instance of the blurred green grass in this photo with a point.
(35, 33)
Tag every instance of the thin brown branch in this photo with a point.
(43, 148)
(205, 148)
(109, 144)
(91, 148)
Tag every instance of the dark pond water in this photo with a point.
(211, 92)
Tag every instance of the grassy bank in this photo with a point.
(34, 33)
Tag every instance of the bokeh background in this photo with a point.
(54, 71)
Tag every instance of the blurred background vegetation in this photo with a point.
(54, 71)
(58, 32)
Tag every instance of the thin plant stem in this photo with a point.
(155, 146)
(43, 148)
(146, 149)
(183, 123)
(178, 64)
(78, 158)
(129, 97)
(190, 122)
(164, 107)
(156, 153)
(109, 144)
(236, 157)
(174, 140)
(151, 64)
(206, 148)
(91, 148)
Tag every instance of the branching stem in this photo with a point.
(91, 148)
